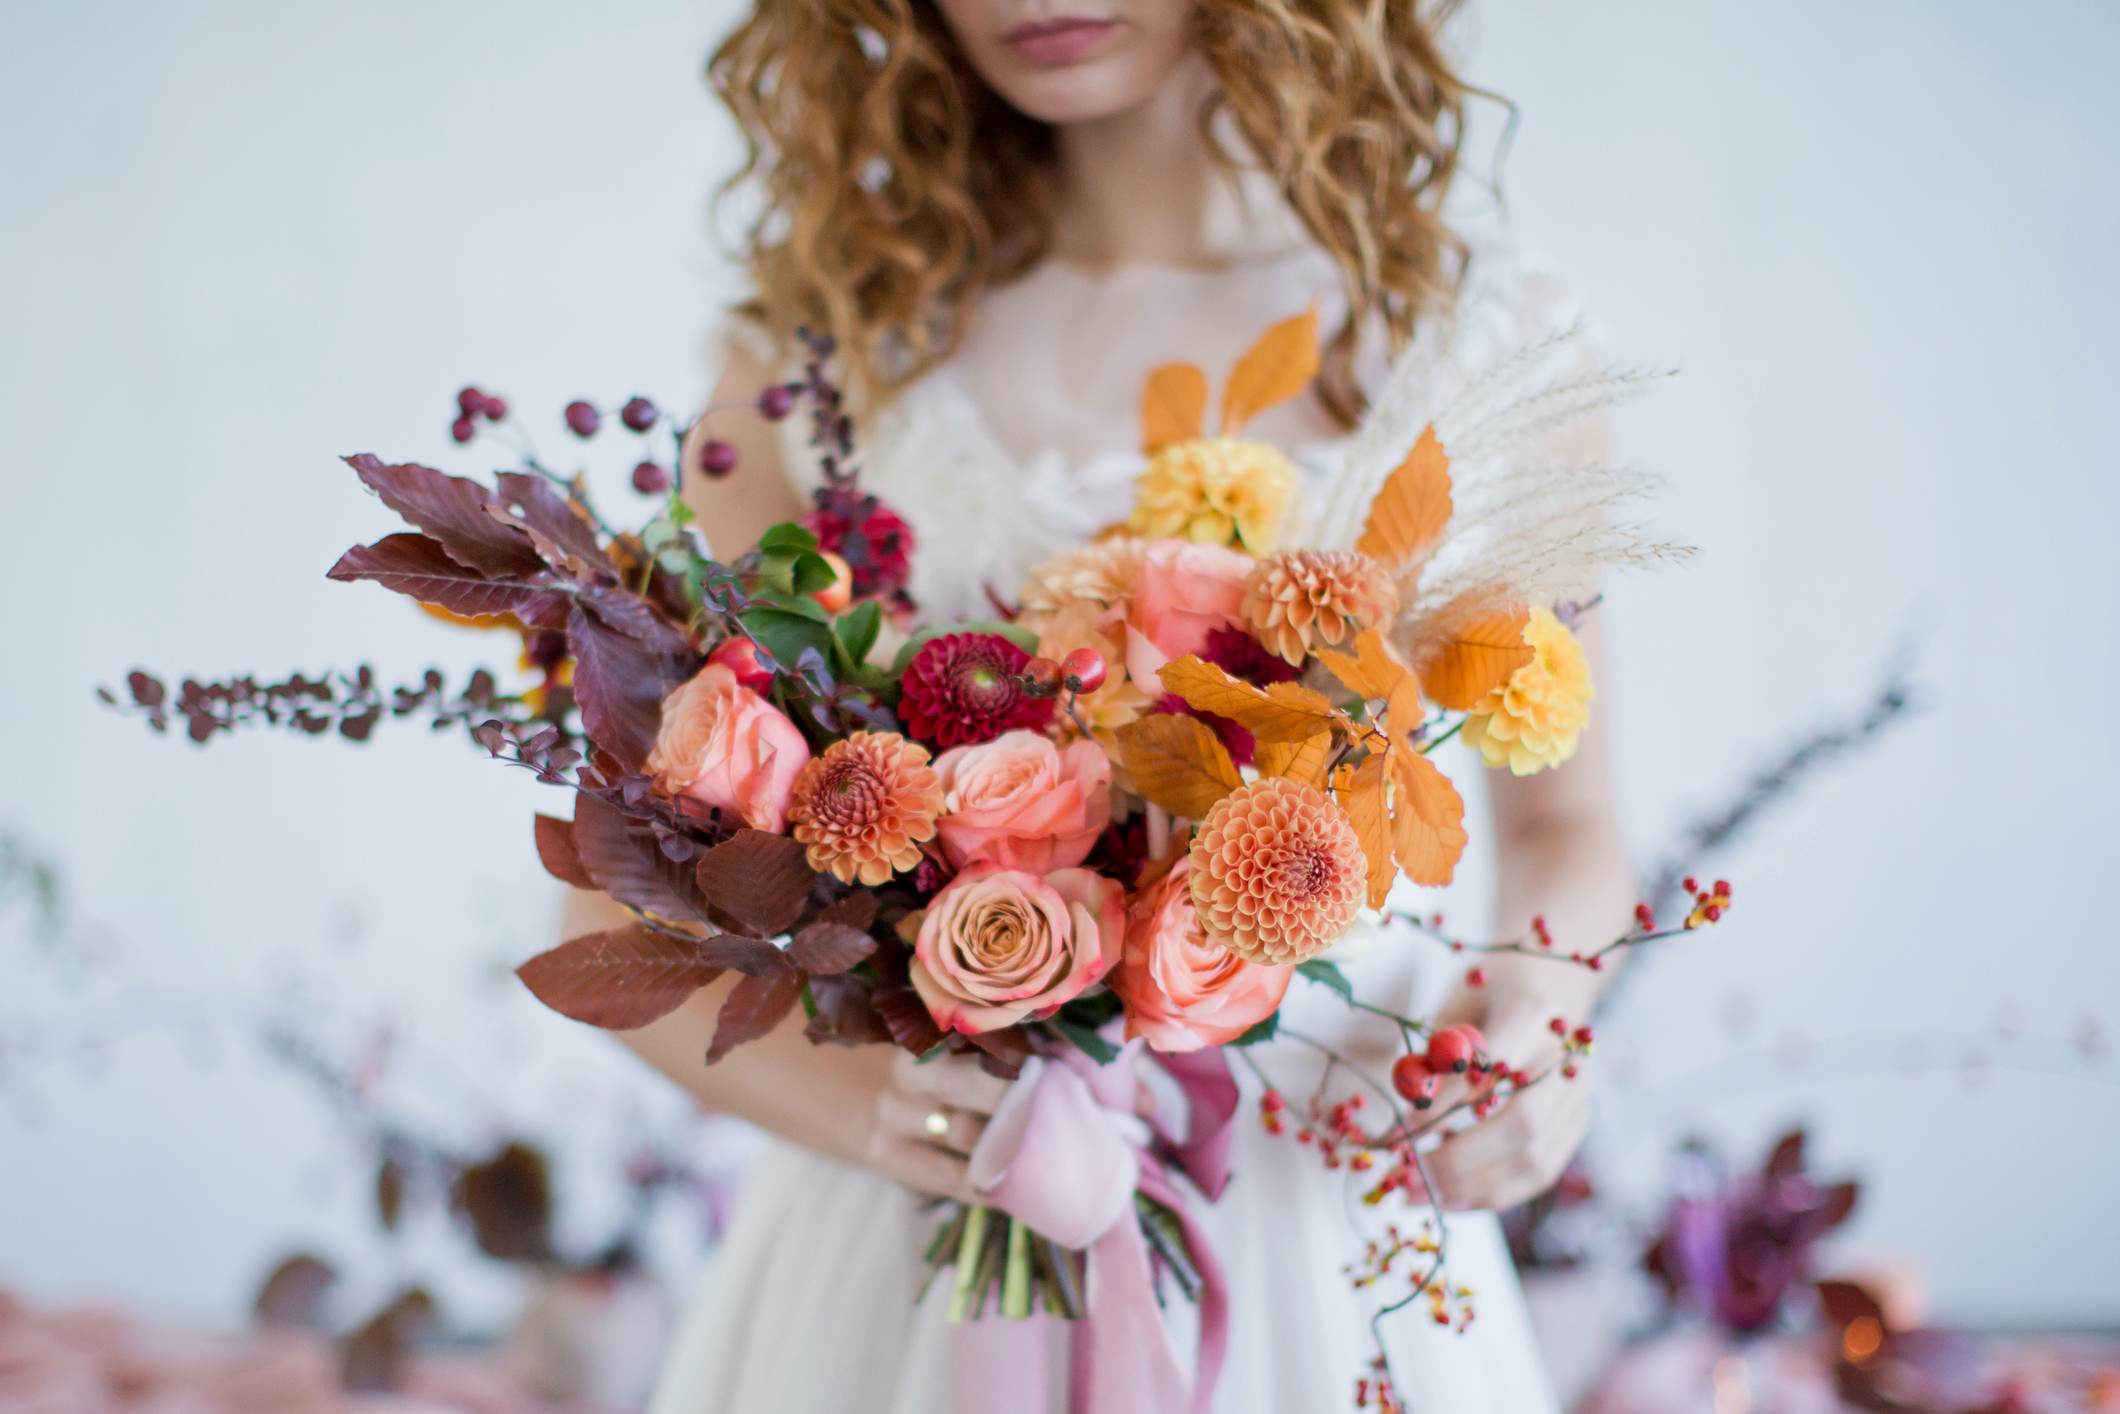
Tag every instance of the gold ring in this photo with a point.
(937, 1124)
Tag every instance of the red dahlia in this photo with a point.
(961, 687)
(1241, 656)
(871, 537)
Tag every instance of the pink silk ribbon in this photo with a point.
(1065, 1154)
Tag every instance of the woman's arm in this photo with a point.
(735, 510)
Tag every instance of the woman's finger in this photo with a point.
(924, 1119)
(954, 1080)
(924, 1169)
(1516, 1153)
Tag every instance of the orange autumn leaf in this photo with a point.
(478, 621)
(1178, 763)
(1427, 820)
(1273, 370)
(1370, 672)
(1364, 802)
(1303, 761)
(1477, 659)
(1403, 709)
(1412, 506)
(1283, 713)
(1173, 406)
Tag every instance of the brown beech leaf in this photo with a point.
(1365, 801)
(844, 1016)
(1273, 370)
(824, 949)
(1173, 406)
(906, 1017)
(420, 568)
(635, 617)
(1412, 506)
(1303, 761)
(556, 851)
(620, 980)
(1371, 671)
(373, 1356)
(760, 880)
(509, 1201)
(623, 859)
(620, 684)
(753, 957)
(856, 911)
(1477, 659)
(1427, 819)
(1403, 710)
(453, 511)
(532, 500)
(755, 1006)
(1177, 762)
(293, 1295)
(1283, 712)
(1003, 1052)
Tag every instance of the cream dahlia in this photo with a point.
(1277, 872)
(865, 805)
(1301, 597)
(1532, 721)
(1101, 574)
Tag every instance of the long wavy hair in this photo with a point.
(897, 185)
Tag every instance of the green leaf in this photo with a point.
(785, 634)
(1022, 637)
(812, 573)
(1328, 973)
(1087, 1041)
(1264, 1031)
(657, 534)
(857, 629)
(787, 538)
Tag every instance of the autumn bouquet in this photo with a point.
(1122, 816)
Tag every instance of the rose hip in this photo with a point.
(650, 479)
(1040, 677)
(583, 418)
(717, 459)
(638, 414)
(1083, 670)
(776, 402)
(464, 428)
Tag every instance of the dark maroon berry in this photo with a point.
(469, 400)
(582, 419)
(495, 409)
(638, 414)
(464, 428)
(776, 402)
(717, 459)
(1040, 677)
(650, 479)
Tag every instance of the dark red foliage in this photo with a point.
(453, 511)
(620, 980)
(759, 880)
(556, 851)
(825, 949)
(965, 687)
(1240, 655)
(872, 538)
(755, 1006)
(1236, 738)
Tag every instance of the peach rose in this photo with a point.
(722, 744)
(1183, 990)
(1185, 593)
(1022, 803)
(998, 945)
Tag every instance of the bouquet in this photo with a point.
(1119, 818)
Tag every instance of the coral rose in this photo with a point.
(1022, 803)
(1182, 989)
(1532, 721)
(999, 945)
(1278, 872)
(1184, 594)
(722, 744)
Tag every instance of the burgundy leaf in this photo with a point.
(416, 566)
(624, 860)
(375, 1354)
(754, 957)
(1787, 1159)
(545, 511)
(556, 851)
(856, 911)
(1002, 1053)
(755, 1006)
(826, 948)
(907, 1018)
(760, 880)
(620, 980)
(844, 1016)
(1839, 1202)
(453, 511)
(635, 617)
(294, 1294)
(620, 685)
(509, 1201)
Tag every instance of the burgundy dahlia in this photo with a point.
(1241, 656)
(1236, 738)
(962, 687)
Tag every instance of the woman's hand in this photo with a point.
(928, 1117)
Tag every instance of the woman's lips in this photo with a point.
(1062, 40)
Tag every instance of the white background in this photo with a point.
(239, 239)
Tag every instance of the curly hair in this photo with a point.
(898, 185)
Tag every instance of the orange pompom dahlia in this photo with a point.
(1299, 597)
(864, 806)
(1277, 872)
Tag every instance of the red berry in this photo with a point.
(495, 409)
(1272, 1103)
(1595, 964)
(1083, 670)
(740, 656)
(464, 428)
(1568, 1071)
(1449, 1050)
(1689, 884)
(1714, 913)
(1041, 677)
(1584, 1035)
(469, 400)
(717, 459)
(650, 479)
(1722, 886)
(638, 414)
(1410, 1077)
(776, 402)
(1477, 977)
(1557, 1026)
(582, 419)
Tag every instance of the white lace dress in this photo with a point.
(1020, 447)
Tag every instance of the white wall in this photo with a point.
(240, 239)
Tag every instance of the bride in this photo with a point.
(1007, 212)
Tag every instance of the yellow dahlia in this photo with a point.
(1299, 597)
(1215, 491)
(864, 806)
(1532, 721)
(1277, 872)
